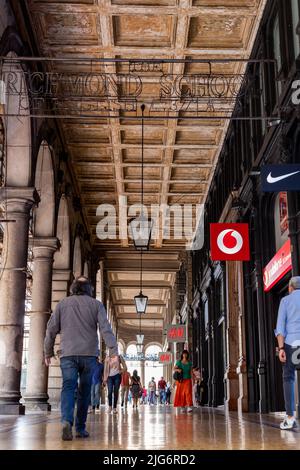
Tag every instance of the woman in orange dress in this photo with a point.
(184, 388)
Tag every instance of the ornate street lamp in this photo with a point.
(140, 228)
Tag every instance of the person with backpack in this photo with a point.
(183, 371)
(136, 388)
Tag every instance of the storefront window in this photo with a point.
(295, 21)
(281, 220)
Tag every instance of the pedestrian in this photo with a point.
(113, 370)
(76, 319)
(288, 338)
(125, 385)
(168, 393)
(162, 390)
(96, 385)
(144, 396)
(184, 394)
(196, 386)
(152, 391)
(136, 388)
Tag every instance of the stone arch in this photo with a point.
(44, 214)
(62, 256)
(131, 343)
(122, 343)
(153, 343)
(77, 257)
(17, 125)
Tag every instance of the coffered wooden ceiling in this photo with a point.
(180, 155)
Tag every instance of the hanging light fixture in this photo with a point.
(140, 339)
(140, 228)
(141, 300)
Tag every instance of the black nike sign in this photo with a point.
(276, 178)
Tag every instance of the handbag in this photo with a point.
(178, 376)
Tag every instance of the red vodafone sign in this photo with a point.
(278, 267)
(229, 242)
(165, 357)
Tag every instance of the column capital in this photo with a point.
(18, 199)
(44, 247)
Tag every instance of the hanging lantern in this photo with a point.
(140, 230)
(141, 303)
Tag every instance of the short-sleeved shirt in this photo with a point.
(186, 368)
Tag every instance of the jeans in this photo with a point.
(289, 381)
(152, 397)
(71, 368)
(95, 395)
(113, 385)
(162, 397)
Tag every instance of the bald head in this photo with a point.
(294, 283)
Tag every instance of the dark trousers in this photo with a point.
(113, 385)
(95, 395)
(288, 369)
(73, 367)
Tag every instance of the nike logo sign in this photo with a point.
(271, 179)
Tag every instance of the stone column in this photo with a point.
(143, 373)
(60, 285)
(17, 203)
(36, 396)
(231, 376)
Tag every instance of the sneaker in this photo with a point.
(183, 409)
(288, 423)
(189, 409)
(66, 432)
(114, 411)
(109, 409)
(82, 434)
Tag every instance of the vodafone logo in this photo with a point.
(229, 242)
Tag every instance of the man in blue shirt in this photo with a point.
(288, 337)
(96, 385)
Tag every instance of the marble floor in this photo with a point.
(152, 428)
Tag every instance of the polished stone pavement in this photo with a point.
(152, 428)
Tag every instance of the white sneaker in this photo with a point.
(189, 409)
(288, 423)
(114, 411)
(109, 409)
(183, 409)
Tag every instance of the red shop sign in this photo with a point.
(165, 358)
(176, 334)
(278, 266)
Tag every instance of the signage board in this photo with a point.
(278, 267)
(176, 333)
(165, 357)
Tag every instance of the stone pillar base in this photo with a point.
(38, 406)
(12, 409)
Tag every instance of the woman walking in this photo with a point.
(113, 369)
(184, 388)
(135, 388)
